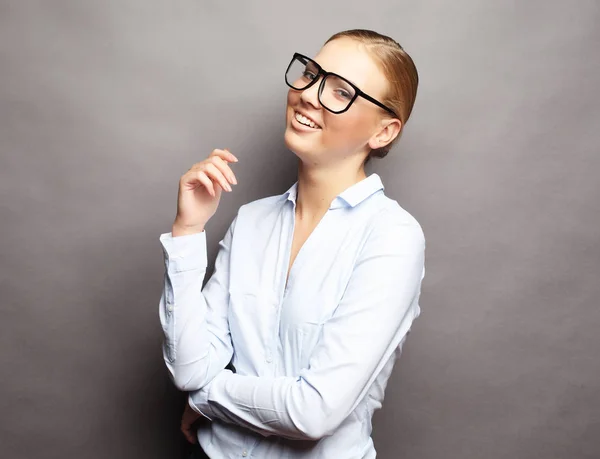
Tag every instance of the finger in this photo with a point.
(235, 159)
(214, 173)
(224, 154)
(206, 181)
(191, 438)
(224, 168)
(188, 434)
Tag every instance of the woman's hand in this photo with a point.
(189, 417)
(200, 191)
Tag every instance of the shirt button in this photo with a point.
(170, 307)
(244, 453)
(269, 358)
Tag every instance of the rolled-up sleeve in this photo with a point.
(197, 342)
(371, 321)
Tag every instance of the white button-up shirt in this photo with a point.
(312, 358)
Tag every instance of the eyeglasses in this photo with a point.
(336, 94)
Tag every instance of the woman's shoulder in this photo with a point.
(260, 207)
(261, 210)
(389, 211)
(396, 223)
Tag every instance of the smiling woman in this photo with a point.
(358, 59)
(315, 290)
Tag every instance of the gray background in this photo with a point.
(104, 105)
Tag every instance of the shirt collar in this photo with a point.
(351, 196)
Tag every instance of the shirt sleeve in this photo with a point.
(197, 342)
(372, 319)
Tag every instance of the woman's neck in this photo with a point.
(318, 186)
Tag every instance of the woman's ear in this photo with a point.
(389, 130)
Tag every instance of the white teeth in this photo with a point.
(304, 120)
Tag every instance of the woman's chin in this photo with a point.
(297, 144)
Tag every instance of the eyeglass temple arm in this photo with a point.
(379, 104)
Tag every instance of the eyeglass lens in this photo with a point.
(336, 93)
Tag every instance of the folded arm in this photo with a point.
(374, 316)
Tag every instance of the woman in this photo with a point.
(315, 290)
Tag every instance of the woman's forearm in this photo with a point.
(197, 342)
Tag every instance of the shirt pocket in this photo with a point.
(309, 334)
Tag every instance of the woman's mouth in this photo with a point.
(305, 121)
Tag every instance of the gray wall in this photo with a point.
(104, 105)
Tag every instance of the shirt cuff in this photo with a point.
(198, 400)
(184, 253)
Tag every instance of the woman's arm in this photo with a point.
(371, 321)
(197, 341)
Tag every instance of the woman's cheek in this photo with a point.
(293, 97)
(346, 129)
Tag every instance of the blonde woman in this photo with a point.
(287, 350)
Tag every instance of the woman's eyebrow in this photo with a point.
(349, 80)
(325, 70)
(318, 63)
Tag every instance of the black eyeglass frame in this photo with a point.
(325, 74)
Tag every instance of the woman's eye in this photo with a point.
(344, 94)
(309, 75)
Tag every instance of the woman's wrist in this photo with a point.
(179, 230)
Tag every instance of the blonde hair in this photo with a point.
(400, 71)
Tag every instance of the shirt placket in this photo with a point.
(278, 299)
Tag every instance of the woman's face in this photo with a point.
(337, 136)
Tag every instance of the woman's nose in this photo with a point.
(311, 95)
